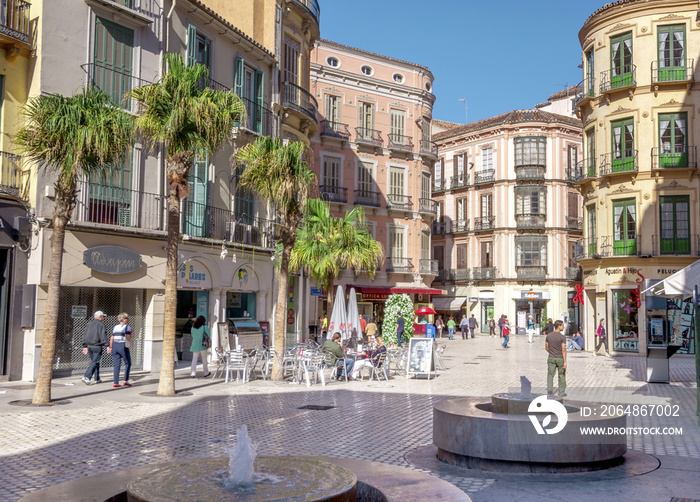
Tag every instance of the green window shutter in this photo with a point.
(623, 145)
(196, 203)
(625, 227)
(675, 224)
(113, 59)
(238, 76)
(259, 102)
(673, 150)
(191, 45)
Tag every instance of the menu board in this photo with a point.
(224, 341)
(420, 357)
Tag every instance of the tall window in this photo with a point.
(244, 204)
(462, 210)
(425, 245)
(113, 68)
(590, 74)
(572, 156)
(398, 126)
(110, 194)
(331, 172)
(572, 205)
(426, 130)
(590, 154)
(332, 115)
(396, 242)
(672, 139)
(198, 47)
(397, 177)
(625, 227)
(672, 53)
(291, 60)
(249, 84)
(438, 171)
(487, 158)
(621, 68)
(530, 200)
(425, 192)
(365, 119)
(530, 151)
(459, 166)
(623, 153)
(675, 225)
(486, 254)
(486, 205)
(591, 235)
(531, 251)
(195, 206)
(365, 180)
(461, 256)
(439, 256)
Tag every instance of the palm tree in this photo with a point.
(327, 245)
(187, 118)
(281, 176)
(69, 137)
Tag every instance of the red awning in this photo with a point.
(408, 291)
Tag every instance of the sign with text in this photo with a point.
(193, 275)
(420, 357)
(112, 259)
(78, 312)
(374, 296)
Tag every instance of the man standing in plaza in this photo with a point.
(95, 338)
(464, 326)
(555, 345)
(500, 323)
(399, 329)
(472, 325)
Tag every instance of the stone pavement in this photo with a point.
(105, 429)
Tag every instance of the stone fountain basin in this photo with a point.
(467, 432)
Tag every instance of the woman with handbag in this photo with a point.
(120, 343)
(200, 345)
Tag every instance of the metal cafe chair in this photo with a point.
(380, 368)
(439, 362)
(328, 359)
(314, 365)
(220, 362)
(236, 363)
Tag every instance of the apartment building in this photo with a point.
(374, 150)
(509, 215)
(638, 176)
(225, 266)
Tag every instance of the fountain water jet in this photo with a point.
(242, 458)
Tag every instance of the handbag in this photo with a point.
(206, 341)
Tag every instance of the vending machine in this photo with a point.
(659, 349)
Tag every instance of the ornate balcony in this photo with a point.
(366, 136)
(429, 149)
(441, 227)
(367, 198)
(394, 201)
(461, 226)
(335, 130)
(399, 142)
(574, 223)
(573, 273)
(461, 274)
(459, 181)
(428, 206)
(530, 221)
(612, 80)
(440, 185)
(10, 174)
(223, 225)
(531, 273)
(680, 244)
(429, 267)
(609, 164)
(115, 83)
(484, 273)
(299, 99)
(311, 7)
(259, 119)
(14, 22)
(586, 248)
(584, 170)
(331, 193)
(484, 223)
(611, 245)
(680, 157)
(399, 265)
(672, 74)
(484, 176)
(445, 275)
(585, 92)
(529, 172)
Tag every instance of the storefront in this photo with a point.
(486, 299)
(528, 303)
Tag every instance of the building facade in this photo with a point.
(374, 150)
(638, 175)
(509, 216)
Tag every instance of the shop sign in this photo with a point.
(193, 275)
(242, 277)
(473, 299)
(112, 259)
(316, 291)
(374, 296)
(626, 270)
(531, 295)
(78, 312)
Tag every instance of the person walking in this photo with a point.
(199, 331)
(530, 328)
(464, 327)
(555, 345)
(472, 325)
(399, 329)
(492, 327)
(548, 328)
(439, 326)
(371, 331)
(506, 333)
(120, 342)
(601, 338)
(500, 323)
(95, 338)
(451, 328)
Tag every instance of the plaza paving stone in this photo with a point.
(105, 429)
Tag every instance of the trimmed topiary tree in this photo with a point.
(394, 304)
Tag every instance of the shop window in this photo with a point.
(625, 329)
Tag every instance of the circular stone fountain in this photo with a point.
(500, 435)
(276, 478)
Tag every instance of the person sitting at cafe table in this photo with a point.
(373, 359)
(333, 348)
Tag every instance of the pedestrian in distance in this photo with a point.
(530, 328)
(451, 328)
(506, 333)
(200, 330)
(492, 327)
(601, 338)
(399, 329)
(119, 344)
(549, 327)
(555, 345)
(439, 326)
(472, 325)
(500, 323)
(93, 342)
(370, 332)
(464, 327)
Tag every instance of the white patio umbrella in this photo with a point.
(682, 283)
(353, 325)
(338, 320)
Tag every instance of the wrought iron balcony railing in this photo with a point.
(14, 19)
(680, 156)
(440, 185)
(445, 275)
(427, 206)
(116, 83)
(441, 227)
(678, 244)
(484, 223)
(574, 223)
(368, 136)
(529, 172)
(484, 273)
(662, 74)
(148, 8)
(259, 119)
(461, 226)
(336, 130)
(399, 265)
(331, 193)
(573, 273)
(400, 142)
(484, 176)
(526, 273)
(428, 149)
(585, 169)
(530, 221)
(459, 181)
(367, 198)
(618, 78)
(586, 248)
(461, 274)
(394, 201)
(299, 99)
(621, 245)
(311, 6)
(586, 91)
(610, 164)
(10, 174)
(429, 267)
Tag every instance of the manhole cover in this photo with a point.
(28, 402)
(315, 407)
(180, 393)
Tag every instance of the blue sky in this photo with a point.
(500, 55)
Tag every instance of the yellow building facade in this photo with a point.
(638, 176)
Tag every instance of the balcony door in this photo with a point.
(196, 222)
(110, 194)
(398, 127)
(623, 146)
(365, 120)
(621, 61)
(113, 60)
(396, 246)
(672, 53)
(397, 184)
(672, 138)
(675, 225)
(625, 227)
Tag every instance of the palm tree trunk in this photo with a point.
(177, 167)
(287, 237)
(61, 214)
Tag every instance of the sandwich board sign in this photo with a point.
(420, 357)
